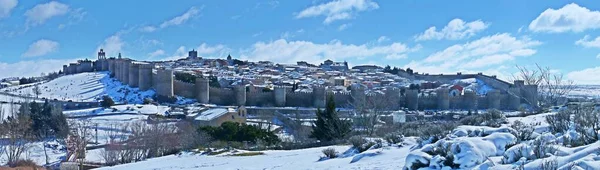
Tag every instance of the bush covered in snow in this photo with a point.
(330, 153)
(427, 130)
(492, 117)
(523, 132)
(394, 138)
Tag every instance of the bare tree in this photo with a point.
(79, 137)
(551, 85)
(37, 90)
(369, 109)
(17, 130)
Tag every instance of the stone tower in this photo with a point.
(165, 83)
(145, 76)
(65, 70)
(134, 72)
(470, 98)
(412, 99)
(514, 98)
(280, 96)
(240, 95)
(493, 99)
(202, 88)
(101, 54)
(111, 67)
(443, 99)
(126, 64)
(319, 98)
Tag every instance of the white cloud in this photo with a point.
(205, 49)
(192, 12)
(40, 13)
(287, 35)
(180, 53)
(156, 53)
(585, 76)
(382, 39)
(41, 48)
(598, 56)
(112, 46)
(178, 20)
(489, 60)
(148, 29)
(284, 51)
(586, 42)
(571, 17)
(344, 27)
(492, 50)
(32, 67)
(338, 9)
(455, 30)
(257, 34)
(6, 6)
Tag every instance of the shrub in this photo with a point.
(492, 117)
(587, 123)
(249, 154)
(559, 122)
(23, 163)
(550, 164)
(361, 144)
(330, 153)
(148, 101)
(107, 102)
(357, 141)
(542, 148)
(393, 138)
(427, 130)
(522, 131)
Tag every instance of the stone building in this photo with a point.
(218, 116)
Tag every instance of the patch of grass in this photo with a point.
(248, 154)
(217, 152)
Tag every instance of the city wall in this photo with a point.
(146, 76)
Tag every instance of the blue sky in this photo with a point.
(426, 35)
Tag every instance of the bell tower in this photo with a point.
(101, 54)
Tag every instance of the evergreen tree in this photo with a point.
(329, 126)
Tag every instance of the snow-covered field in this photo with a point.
(84, 87)
(592, 91)
(385, 158)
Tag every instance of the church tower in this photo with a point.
(101, 54)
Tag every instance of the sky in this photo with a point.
(428, 36)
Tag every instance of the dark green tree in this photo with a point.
(329, 126)
(213, 81)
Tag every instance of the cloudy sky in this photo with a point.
(425, 35)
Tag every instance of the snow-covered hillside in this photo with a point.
(84, 87)
(386, 158)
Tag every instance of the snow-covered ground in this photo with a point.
(592, 91)
(84, 87)
(386, 158)
(119, 109)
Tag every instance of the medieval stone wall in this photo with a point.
(221, 96)
(299, 99)
(260, 98)
(142, 74)
(184, 89)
